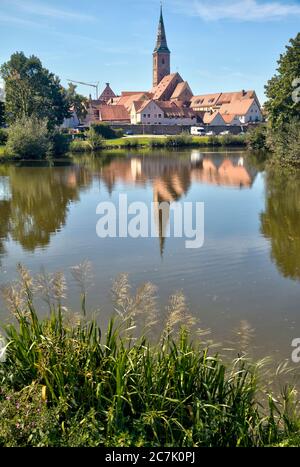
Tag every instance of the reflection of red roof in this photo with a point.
(111, 113)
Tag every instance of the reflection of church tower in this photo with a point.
(161, 54)
(168, 189)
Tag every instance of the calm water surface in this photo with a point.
(248, 269)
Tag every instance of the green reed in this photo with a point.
(65, 382)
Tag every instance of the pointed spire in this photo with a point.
(161, 43)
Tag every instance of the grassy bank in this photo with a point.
(66, 382)
(163, 142)
(143, 142)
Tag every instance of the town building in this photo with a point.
(171, 100)
(236, 108)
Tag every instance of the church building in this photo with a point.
(171, 100)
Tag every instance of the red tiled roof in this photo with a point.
(111, 113)
(128, 99)
(209, 117)
(237, 107)
(166, 87)
(206, 100)
(180, 89)
(219, 99)
(171, 109)
(107, 94)
(228, 117)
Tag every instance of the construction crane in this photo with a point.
(95, 86)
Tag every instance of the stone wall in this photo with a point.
(174, 129)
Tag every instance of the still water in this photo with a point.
(247, 271)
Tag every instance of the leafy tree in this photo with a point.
(283, 100)
(104, 130)
(29, 138)
(94, 139)
(76, 101)
(256, 138)
(32, 91)
(2, 114)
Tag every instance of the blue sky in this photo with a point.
(220, 45)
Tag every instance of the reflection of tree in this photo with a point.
(39, 202)
(4, 223)
(281, 222)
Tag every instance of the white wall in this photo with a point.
(253, 115)
(153, 115)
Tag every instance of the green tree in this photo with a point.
(78, 102)
(32, 91)
(2, 114)
(29, 138)
(283, 102)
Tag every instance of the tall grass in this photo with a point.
(66, 382)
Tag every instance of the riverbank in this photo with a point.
(66, 382)
(183, 141)
(145, 142)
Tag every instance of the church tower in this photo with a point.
(161, 54)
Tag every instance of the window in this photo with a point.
(163, 61)
(144, 115)
(159, 115)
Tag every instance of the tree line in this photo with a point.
(33, 91)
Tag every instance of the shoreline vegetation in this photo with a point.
(142, 142)
(67, 382)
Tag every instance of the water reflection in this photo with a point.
(280, 222)
(34, 200)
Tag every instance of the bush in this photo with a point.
(3, 136)
(60, 143)
(94, 140)
(285, 144)
(78, 145)
(179, 141)
(119, 133)
(29, 138)
(232, 140)
(214, 141)
(104, 130)
(256, 138)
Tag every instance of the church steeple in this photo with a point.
(161, 43)
(161, 54)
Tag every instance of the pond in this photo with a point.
(246, 274)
